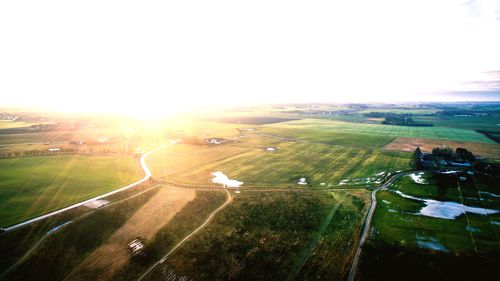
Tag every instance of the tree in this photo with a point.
(415, 159)
(444, 153)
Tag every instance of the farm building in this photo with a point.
(215, 140)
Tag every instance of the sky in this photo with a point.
(150, 56)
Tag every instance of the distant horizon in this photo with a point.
(181, 56)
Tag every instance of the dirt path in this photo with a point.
(368, 221)
(205, 223)
(147, 175)
(147, 221)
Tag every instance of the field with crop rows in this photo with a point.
(365, 134)
(271, 236)
(321, 164)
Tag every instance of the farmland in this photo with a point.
(362, 134)
(489, 150)
(396, 223)
(274, 236)
(321, 164)
(105, 229)
(403, 227)
(32, 186)
(307, 180)
(6, 124)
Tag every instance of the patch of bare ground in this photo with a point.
(106, 260)
(410, 144)
(374, 120)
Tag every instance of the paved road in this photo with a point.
(368, 221)
(205, 223)
(147, 175)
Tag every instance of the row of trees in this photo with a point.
(41, 152)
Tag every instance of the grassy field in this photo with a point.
(372, 135)
(322, 165)
(274, 236)
(397, 222)
(464, 122)
(69, 250)
(7, 124)
(184, 157)
(33, 186)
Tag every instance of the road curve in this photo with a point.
(147, 175)
(368, 221)
(228, 200)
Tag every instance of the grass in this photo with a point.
(183, 157)
(65, 249)
(464, 122)
(32, 186)
(318, 163)
(7, 124)
(270, 235)
(396, 221)
(371, 135)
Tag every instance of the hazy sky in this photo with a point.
(175, 54)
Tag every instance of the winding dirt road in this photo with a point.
(205, 223)
(147, 175)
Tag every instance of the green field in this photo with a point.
(464, 122)
(371, 135)
(321, 164)
(33, 186)
(6, 124)
(396, 220)
(274, 236)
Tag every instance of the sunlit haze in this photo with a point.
(170, 56)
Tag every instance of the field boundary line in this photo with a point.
(306, 253)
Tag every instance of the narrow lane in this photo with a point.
(147, 175)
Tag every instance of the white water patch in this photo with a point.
(417, 178)
(446, 210)
(430, 243)
(380, 174)
(57, 227)
(392, 211)
(489, 194)
(386, 202)
(472, 229)
(270, 149)
(495, 222)
(96, 204)
(343, 182)
(322, 184)
(220, 178)
(302, 181)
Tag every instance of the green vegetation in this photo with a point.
(64, 250)
(271, 235)
(7, 124)
(365, 134)
(32, 186)
(318, 163)
(397, 221)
